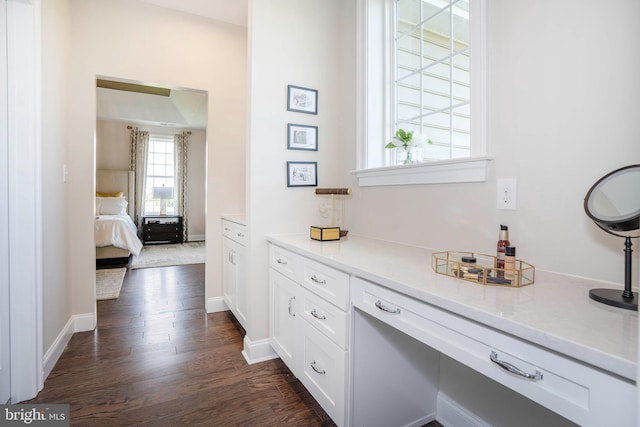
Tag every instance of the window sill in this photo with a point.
(472, 169)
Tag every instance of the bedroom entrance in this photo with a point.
(150, 152)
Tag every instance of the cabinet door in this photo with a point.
(242, 304)
(282, 319)
(229, 281)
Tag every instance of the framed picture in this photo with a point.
(302, 137)
(302, 174)
(302, 99)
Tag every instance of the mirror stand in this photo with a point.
(625, 299)
(613, 203)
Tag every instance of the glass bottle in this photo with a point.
(510, 263)
(503, 242)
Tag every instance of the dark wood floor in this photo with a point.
(158, 359)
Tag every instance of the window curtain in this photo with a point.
(181, 143)
(138, 164)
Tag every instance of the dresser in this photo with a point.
(162, 229)
(396, 324)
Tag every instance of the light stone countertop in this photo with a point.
(237, 218)
(555, 312)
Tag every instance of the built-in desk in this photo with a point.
(580, 355)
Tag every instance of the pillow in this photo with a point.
(116, 194)
(111, 206)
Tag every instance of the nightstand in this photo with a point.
(162, 229)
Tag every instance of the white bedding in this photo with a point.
(118, 231)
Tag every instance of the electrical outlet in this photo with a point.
(507, 194)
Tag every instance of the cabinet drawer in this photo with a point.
(234, 231)
(563, 385)
(327, 318)
(158, 229)
(285, 262)
(327, 282)
(162, 235)
(322, 370)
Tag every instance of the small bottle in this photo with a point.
(503, 242)
(510, 262)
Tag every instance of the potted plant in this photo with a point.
(409, 145)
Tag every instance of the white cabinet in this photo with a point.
(309, 326)
(234, 290)
(579, 392)
(282, 326)
(378, 339)
(322, 369)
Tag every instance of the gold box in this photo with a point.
(325, 233)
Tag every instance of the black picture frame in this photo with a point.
(302, 174)
(302, 137)
(302, 99)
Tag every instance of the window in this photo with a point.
(432, 74)
(160, 175)
(422, 69)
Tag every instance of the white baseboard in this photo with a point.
(216, 304)
(55, 351)
(257, 351)
(83, 322)
(195, 238)
(76, 323)
(450, 413)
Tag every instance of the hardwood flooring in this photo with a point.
(158, 359)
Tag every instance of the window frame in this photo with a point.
(375, 104)
(166, 138)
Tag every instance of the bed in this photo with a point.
(115, 232)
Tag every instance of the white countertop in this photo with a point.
(555, 312)
(237, 218)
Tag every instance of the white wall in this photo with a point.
(294, 42)
(562, 109)
(197, 182)
(113, 152)
(137, 41)
(55, 60)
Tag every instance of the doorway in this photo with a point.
(126, 109)
(21, 330)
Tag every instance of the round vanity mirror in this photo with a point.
(613, 203)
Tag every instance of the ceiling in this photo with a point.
(230, 11)
(132, 103)
(177, 108)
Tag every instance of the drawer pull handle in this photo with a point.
(511, 368)
(227, 229)
(240, 234)
(315, 314)
(318, 281)
(290, 313)
(281, 262)
(386, 309)
(314, 367)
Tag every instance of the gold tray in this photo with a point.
(484, 271)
